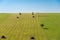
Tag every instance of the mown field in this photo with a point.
(22, 28)
(25, 26)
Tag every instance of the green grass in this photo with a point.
(52, 22)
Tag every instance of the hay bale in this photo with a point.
(19, 13)
(3, 37)
(17, 17)
(33, 16)
(42, 25)
(32, 38)
(32, 13)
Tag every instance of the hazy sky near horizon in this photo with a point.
(29, 5)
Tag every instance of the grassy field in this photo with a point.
(52, 22)
(25, 27)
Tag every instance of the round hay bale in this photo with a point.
(33, 16)
(42, 25)
(32, 38)
(3, 37)
(17, 17)
(19, 13)
(32, 13)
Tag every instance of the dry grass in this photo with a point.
(22, 28)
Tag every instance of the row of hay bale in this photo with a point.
(21, 14)
(4, 37)
(32, 13)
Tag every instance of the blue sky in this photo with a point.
(29, 5)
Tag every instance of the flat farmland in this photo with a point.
(25, 26)
(20, 27)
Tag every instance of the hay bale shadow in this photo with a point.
(45, 28)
